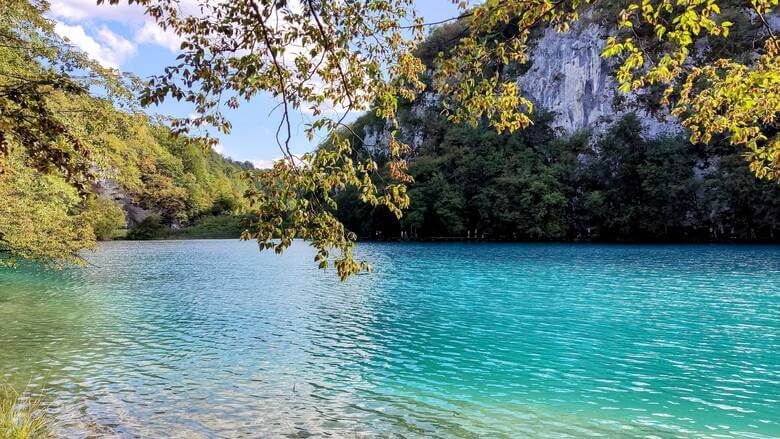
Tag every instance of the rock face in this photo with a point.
(569, 77)
(774, 22)
(375, 138)
(133, 213)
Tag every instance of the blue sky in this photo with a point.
(120, 36)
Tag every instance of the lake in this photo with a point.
(213, 339)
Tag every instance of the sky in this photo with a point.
(122, 37)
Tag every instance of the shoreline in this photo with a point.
(444, 240)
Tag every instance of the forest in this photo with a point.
(82, 155)
(538, 185)
(544, 184)
(77, 152)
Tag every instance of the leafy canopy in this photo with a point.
(356, 54)
(67, 125)
(535, 184)
(48, 126)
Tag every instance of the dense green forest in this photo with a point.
(75, 149)
(179, 182)
(538, 185)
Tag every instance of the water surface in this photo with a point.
(212, 339)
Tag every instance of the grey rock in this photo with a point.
(569, 77)
(134, 214)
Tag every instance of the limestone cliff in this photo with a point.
(569, 77)
(565, 75)
(134, 214)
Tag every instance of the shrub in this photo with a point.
(152, 227)
(21, 417)
(105, 217)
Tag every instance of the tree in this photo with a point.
(355, 54)
(639, 190)
(47, 121)
(104, 217)
(44, 84)
(67, 125)
(39, 217)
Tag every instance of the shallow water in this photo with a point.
(212, 339)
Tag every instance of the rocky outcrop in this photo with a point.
(569, 77)
(133, 213)
(566, 76)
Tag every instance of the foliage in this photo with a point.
(68, 126)
(104, 216)
(313, 55)
(671, 189)
(724, 97)
(483, 182)
(319, 55)
(638, 190)
(21, 418)
(39, 216)
(535, 185)
(48, 126)
(44, 88)
(183, 183)
(212, 227)
(207, 227)
(151, 227)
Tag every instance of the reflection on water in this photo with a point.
(212, 339)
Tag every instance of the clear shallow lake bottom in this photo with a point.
(213, 339)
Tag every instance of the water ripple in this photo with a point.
(211, 339)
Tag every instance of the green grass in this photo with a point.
(209, 227)
(212, 227)
(21, 417)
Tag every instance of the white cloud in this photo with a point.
(79, 10)
(219, 148)
(77, 13)
(263, 164)
(150, 32)
(111, 51)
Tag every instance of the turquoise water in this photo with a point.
(212, 339)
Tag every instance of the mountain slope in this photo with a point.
(597, 165)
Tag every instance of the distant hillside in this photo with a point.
(79, 161)
(151, 172)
